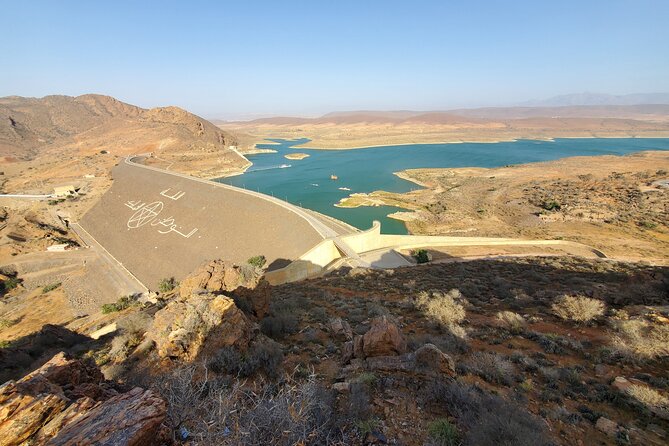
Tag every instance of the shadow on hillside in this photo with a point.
(618, 284)
(28, 353)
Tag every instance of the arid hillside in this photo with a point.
(346, 130)
(618, 204)
(536, 351)
(69, 129)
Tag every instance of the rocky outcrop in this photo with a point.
(427, 362)
(219, 276)
(182, 327)
(67, 401)
(340, 329)
(131, 418)
(384, 338)
(258, 298)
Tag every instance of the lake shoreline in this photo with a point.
(365, 191)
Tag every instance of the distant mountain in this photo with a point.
(648, 112)
(600, 99)
(91, 123)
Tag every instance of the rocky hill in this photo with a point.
(346, 130)
(533, 351)
(90, 124)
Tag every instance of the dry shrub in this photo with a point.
(488, 419)
(513, 321)
(216, 413)
(491, 367)
(648, 396)
(637, 338)
(446, 309)
(579, 309)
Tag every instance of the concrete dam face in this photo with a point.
(159, 224)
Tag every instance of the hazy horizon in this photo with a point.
(242, 61)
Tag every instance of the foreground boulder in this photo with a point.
(384, 338)
(219, 276)
(182, 327)
(131, 418)
(67, 401)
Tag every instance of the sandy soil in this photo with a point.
(296, 156)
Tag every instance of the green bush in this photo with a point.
(50, 287)
(551, 205)
(367, 378)
(257, 261)
(9, 284)
(168, 284)
(120, 305)
(6, 323)
(421, 256)
(443, 432)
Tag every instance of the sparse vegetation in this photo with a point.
(648, 397)
(216, 413)
(578, 309)
(492, 367)
(366, 426)
(168, 284)
(445, 309)
(443, 433)
(50, 287)
(257, 261)
(121, 304)
(421, 256)
(367, 378)
(551, 205)
(265, 356)
(6, 323)
(9, 284)
(640, 339)
(513, 321)
(488, 419)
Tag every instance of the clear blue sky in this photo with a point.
(234, 59)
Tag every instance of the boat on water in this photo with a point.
(344, 188)
(334, 177)
(314, 184)
(283, 166)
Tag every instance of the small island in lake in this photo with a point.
(296, 156)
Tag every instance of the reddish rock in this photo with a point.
(430, 357)
(67, 401)
(219, 276)
(182, 327)
(427, 361)
(340, 328)
(132, 419)
(607, 426)
(384, 338)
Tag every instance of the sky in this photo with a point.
(244, 59)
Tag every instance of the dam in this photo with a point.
(161, 224)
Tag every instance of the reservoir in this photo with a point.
(308, 182)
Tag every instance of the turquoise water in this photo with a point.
(307, 182)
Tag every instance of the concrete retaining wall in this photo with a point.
(310, 264)
(372, 240)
